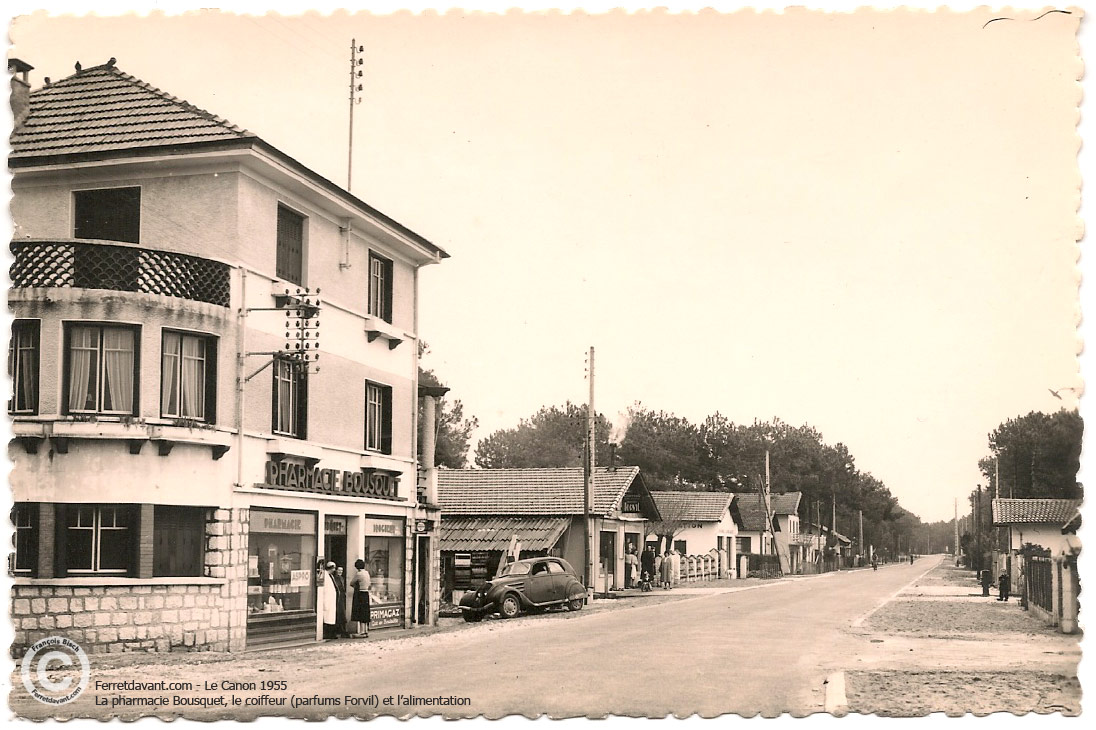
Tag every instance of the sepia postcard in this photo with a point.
(564, 363)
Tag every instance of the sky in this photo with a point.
(865, 223)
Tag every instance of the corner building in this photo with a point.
(179, 468)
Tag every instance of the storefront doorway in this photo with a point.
(334, 542)
(607, 555)
(422, 578)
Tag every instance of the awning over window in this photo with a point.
(463, 533)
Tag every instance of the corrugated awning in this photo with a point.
(464, 533)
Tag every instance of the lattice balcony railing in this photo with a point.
(119, 268)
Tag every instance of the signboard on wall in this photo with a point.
(378, 527)
(285, 523)
(373, 483)
(385, 615)
(334, 525)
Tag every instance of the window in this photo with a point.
(97, 539)
(25, 519)
(101, 369)
(556, 569)
(113, 214)
(679, 545)
(378, 418)
(290, 256)
(188, 376)
(290, 398)
(380, 287)
(178, 534)
(742, 545)
(23, 367)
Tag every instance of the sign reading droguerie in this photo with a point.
(363, 483)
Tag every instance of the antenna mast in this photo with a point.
(355, 99)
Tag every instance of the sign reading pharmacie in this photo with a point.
(375, 483)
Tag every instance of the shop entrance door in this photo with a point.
(607, 555)
(422, 579)
(334, 543)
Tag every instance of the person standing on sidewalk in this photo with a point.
(631, 566)
(359, 608)
(647, 563)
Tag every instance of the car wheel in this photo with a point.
(472, 617)
(509, 607)
(575, 604)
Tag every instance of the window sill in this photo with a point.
(376, 327)
(280, 447)
(136, 434)
(114, 580)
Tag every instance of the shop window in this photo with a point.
(178, 537)
(281, 562)
(24, 517)
(290, 398)
(188, 376)
(380, 287)
(113, 214)
(290, 255)
(385, 558)
(98, 539)
(101, 369)
(378, 418)
(23, 367)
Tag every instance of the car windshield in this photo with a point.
(515, 569)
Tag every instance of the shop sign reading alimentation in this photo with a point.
(364, 483)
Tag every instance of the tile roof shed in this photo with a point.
(1034, 511)
(552, 491)
(693, 506)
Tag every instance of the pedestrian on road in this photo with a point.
(631, 564)
(987, 581)
(874, 562)
(1003, 585)
(330, 603)
(359, 607)
(647, 563)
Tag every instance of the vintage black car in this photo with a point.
(526, 585)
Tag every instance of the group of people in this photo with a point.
(336, 624)
(1004, 584)
(650, 567)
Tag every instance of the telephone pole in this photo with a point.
(588, 486)
(355, 99)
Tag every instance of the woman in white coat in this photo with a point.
(329, 595)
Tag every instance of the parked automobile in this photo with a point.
(526, 585)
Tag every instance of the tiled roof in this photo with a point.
(752, 509)
(530, 491)
(103, 109)
(1033, 511)
(493, 532)
(693, 506)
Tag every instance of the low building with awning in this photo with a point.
(540, 511)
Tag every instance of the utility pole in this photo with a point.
(860, 536)
(355, 89)
(956, 520)
(588, 487)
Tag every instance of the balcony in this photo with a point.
(90, 265)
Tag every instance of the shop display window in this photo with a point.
(385, 558)
(281, 562)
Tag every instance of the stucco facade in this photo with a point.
(261, 477)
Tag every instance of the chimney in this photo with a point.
(430, 395)
(20, 88)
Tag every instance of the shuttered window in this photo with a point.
(378, 418)
(177, 536)
(290, 257)
(380, 287)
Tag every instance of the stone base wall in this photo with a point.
(114, 619)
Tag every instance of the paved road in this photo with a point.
(766, 650)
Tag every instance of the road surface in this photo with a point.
(765, 650)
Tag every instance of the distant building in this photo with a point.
(179, 463)
(543, 509)
(784, 539)
(707, 519)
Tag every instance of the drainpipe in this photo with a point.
(240, 350)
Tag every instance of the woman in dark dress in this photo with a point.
(359, 609)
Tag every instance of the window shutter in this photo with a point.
(290, 246)
(302, 403)
(386, 420)
(211, 380)
(389, 285)
(60, 542)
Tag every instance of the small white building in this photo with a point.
(708, 519)
(1035, 521)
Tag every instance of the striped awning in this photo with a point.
(467, 533)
